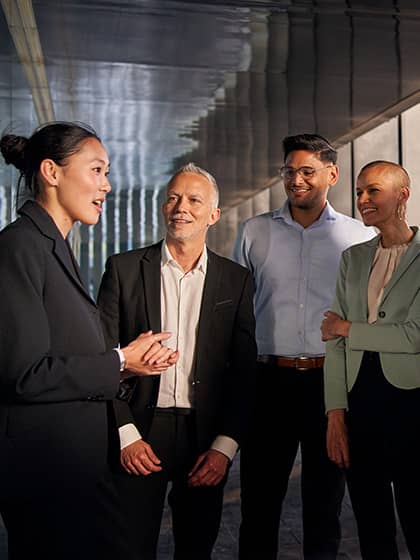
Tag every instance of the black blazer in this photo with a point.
(55, 376)
(224, 366)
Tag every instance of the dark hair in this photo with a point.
(310, 143)
(57, 141)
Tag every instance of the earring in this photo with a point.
(401, 211)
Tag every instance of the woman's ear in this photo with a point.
(404, 194)
(49, 172)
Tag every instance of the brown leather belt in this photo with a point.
(302, 363)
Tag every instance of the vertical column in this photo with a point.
(277, 92)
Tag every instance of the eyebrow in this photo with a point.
(100, 160)
(190, 194)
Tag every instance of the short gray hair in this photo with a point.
(193, 168)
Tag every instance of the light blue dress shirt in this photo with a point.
(294, 270)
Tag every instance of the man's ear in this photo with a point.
(333, 174)
(49, 172)
(214, 217)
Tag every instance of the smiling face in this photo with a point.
(77, 190)
(190, 208)
(308, 193)
(380, 192)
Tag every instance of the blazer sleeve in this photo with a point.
(31, 371)
(109, 303)
(335, 384)
(242, 381)
(109, 306)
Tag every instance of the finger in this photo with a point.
(173, 358)
(155, 347)
(158, 368)
(136, 464)
(197, 466)
(165, 355)
(162, 336)
(160, 355)
(131, 468)
(145, 334)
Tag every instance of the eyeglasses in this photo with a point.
(306, 171)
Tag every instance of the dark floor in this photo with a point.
(290, 529)
(290, 533)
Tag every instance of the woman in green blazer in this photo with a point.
(372, 367)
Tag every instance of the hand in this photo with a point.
(209, 469)
(337, 439)
(139, 458)
(333, 326)
(146, 356)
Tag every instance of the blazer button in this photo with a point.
(381, 314)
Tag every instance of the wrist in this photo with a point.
(336, 415)
(346, 328)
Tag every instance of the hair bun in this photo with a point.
(12, 148)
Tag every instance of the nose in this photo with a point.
(363, 197)
(181, 204)
(298, 179)
(106, 186)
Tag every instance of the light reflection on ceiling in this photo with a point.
(165, 82)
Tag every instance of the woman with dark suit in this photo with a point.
(57, 431)
(372, 367)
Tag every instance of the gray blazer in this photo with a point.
(396, 333)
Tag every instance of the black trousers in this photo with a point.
(384, 440)
(85, 523)
(196, 512)
(289, 411)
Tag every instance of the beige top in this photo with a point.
(384, 264)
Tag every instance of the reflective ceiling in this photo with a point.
(219, 83)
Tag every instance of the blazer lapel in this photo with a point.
(411, 254)
(208, 302)
(150, 273)
(62, 252)
(365, 268)
(61, 248)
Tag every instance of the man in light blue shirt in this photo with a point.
(293, 253)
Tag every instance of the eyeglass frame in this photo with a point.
(299, 170)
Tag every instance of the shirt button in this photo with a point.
(381, 314)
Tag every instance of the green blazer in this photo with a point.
(395, 334)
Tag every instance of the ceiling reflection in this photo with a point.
(165, 82)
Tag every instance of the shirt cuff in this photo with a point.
(225, 445)
(122, 358)
(128, 435)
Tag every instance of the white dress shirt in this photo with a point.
(181, 294)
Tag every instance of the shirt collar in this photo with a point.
(283, 213)
(167, 258)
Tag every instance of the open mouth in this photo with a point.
(98, 203)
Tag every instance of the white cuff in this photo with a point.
(225, 445)
(128, 434)
(122, 358)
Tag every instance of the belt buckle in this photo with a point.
(302, 368)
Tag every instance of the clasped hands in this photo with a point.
(145, 355)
